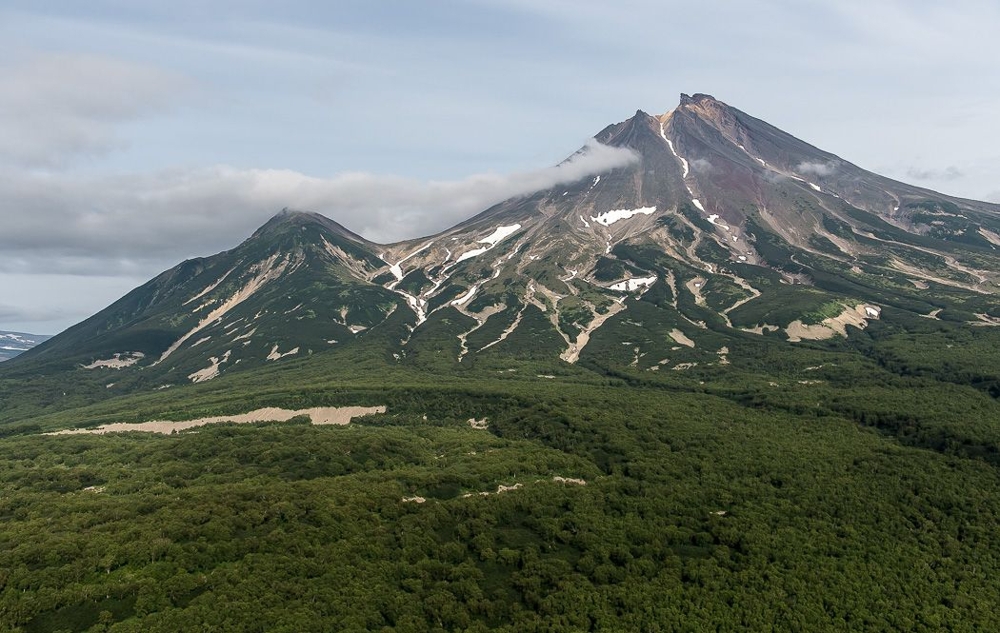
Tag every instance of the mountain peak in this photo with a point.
(697, 98)
(291, 219)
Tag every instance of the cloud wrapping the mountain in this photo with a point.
(111, 225)
(701, 166)
(819, 169)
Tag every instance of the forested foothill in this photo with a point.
(848, 484)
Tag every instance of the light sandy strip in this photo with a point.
(318, 415)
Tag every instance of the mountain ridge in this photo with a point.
(724, 227)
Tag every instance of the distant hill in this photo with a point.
(13, 343)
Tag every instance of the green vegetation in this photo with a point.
(831, 486)
(683, 475)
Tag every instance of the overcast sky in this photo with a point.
(136, 134)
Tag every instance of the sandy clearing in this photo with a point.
(572, 353)
(276, 355)
(319, 416)
(118, 361)
(414, 500)
(992, 237)
(723, 354)
(949, 261)
(761, 329)
(480, 425)
(694, 286)
(681, 338)
(209, 288)
(212, 371)
(265, 271)
(985, 319)
(500, 489)
(830, 327)
(569, 480)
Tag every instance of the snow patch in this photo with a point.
(610, 217)
(713, 219)
(684, 163)
(396, 270)
(466, 297)
(629, 285)
(498, 235)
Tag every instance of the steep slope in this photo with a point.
(724, 227)
(296, 286)
(724, 223)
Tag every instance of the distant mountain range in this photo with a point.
(723, 227)
(13, 343)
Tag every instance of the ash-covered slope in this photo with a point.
(725, 223)
(724, 226)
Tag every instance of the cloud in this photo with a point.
(947, 174)
(701, 166)
(123, 225)
(45, 304)
(819, 169)
(57, 107)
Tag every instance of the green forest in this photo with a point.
(850, 484)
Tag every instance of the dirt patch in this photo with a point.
(761, 329)
(694, 286)
(569, 480)
(681, 338)
(118, 361)
(829, 327)
(318, 415)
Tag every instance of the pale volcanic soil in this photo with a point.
(318, 415)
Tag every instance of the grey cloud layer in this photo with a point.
(112, 225)
(55, 107)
